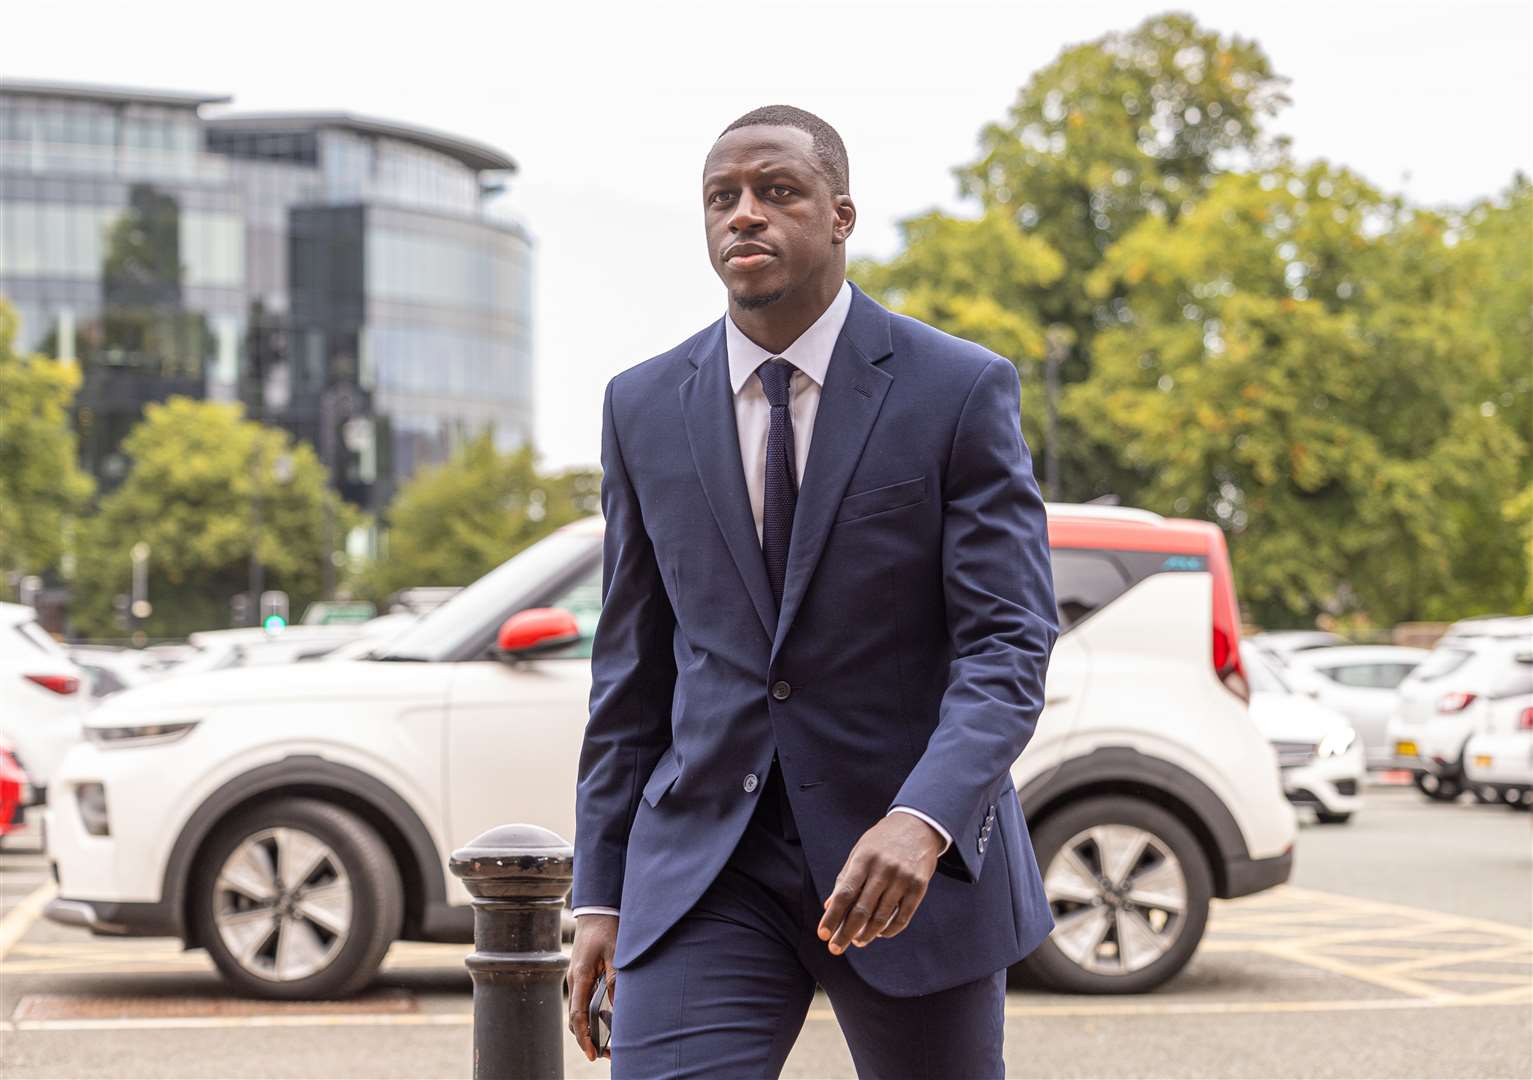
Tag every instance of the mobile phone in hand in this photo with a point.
(600, 1012)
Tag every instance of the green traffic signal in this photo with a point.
(273, 624)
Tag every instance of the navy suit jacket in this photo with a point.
(906, 666)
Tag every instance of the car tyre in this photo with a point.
(1485, 795)
(1170, 870)
(320, 937)
(1325, 817)
(1438, 788)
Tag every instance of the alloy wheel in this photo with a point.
(1119, 899)
(282, 904)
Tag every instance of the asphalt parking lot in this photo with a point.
(1403, 948)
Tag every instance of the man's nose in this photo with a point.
(747, 216)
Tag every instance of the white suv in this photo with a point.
(1444, 700)
(296, 820)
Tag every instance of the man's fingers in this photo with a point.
(840, 901)
(887, 906)
(907, 909)
(859, 916)
(582, 979)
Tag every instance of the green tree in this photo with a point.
(42, 488)
(205, 488)
(455, 522)
(1298, 357)
(1131, 123)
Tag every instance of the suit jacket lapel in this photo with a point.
(850, 400)
(708, 409)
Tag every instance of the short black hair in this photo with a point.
(828, 146)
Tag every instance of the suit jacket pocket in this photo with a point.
(861, 504)
(664, 775)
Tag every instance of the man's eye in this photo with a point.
(720, 196)
(777, 191)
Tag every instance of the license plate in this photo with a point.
(1482, 761)
(1406, 748)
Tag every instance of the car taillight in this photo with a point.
(1226, 620)
(59, 684)
(1525, 721)
(1457, 701)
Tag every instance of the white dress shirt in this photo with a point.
(810, 353)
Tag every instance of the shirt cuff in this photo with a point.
(594, 911)
(946, 836)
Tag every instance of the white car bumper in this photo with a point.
(1332, 785)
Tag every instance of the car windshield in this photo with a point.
(445, 629)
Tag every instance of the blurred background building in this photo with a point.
(346, 278)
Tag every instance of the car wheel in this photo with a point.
(1129, 888)
(1326, 818)
(1485, 796)
(1438, 788)
(297, 899)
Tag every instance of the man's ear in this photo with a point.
(846, 219)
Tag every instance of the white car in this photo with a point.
(296, 820)
(44, 696)
(1317, 748)
(1445, 700)
(1361, 682)
(218, 650)
(1499, 755)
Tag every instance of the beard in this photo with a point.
(760, 300)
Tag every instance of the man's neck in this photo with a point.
(780, 324)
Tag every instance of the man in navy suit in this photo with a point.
(827, 614)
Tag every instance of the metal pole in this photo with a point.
(517, 875)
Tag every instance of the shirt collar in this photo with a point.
(810, 353)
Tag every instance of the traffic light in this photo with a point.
(274, 611)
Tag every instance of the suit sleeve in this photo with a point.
(998, 587)
(633, 675)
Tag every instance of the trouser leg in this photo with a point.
(723, 993)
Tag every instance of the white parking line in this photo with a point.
(20, 918)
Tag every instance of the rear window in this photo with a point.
(1516, 681)
(1442, 662)
(38, 638)
(1088, 579)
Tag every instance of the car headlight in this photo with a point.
(1337, 743)
(139, 734)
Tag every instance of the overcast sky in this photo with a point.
(610, 108)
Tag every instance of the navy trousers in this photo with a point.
(725, 992)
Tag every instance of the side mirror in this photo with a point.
(536, 630)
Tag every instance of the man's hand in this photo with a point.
(882, 883)
(595, 940)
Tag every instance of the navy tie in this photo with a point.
(780, 492)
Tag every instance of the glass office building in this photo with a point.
(344, 277)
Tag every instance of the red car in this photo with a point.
(15, 790)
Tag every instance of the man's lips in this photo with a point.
(745, 256)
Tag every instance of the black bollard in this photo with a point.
(517, 875)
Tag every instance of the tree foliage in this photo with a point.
(42, 488)
(205, 488)
(1342, 380)
(454, 523)
(1297, 357)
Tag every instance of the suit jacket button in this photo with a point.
(750, 782)
(781, 690)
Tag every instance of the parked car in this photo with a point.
(218, 650)
(1287, 643)
(1499, 755)
(111, 669)
(1317, 748)
(1362, 683)
(43, 695)
(15, 791)
(1445, 700)
(296, 820)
